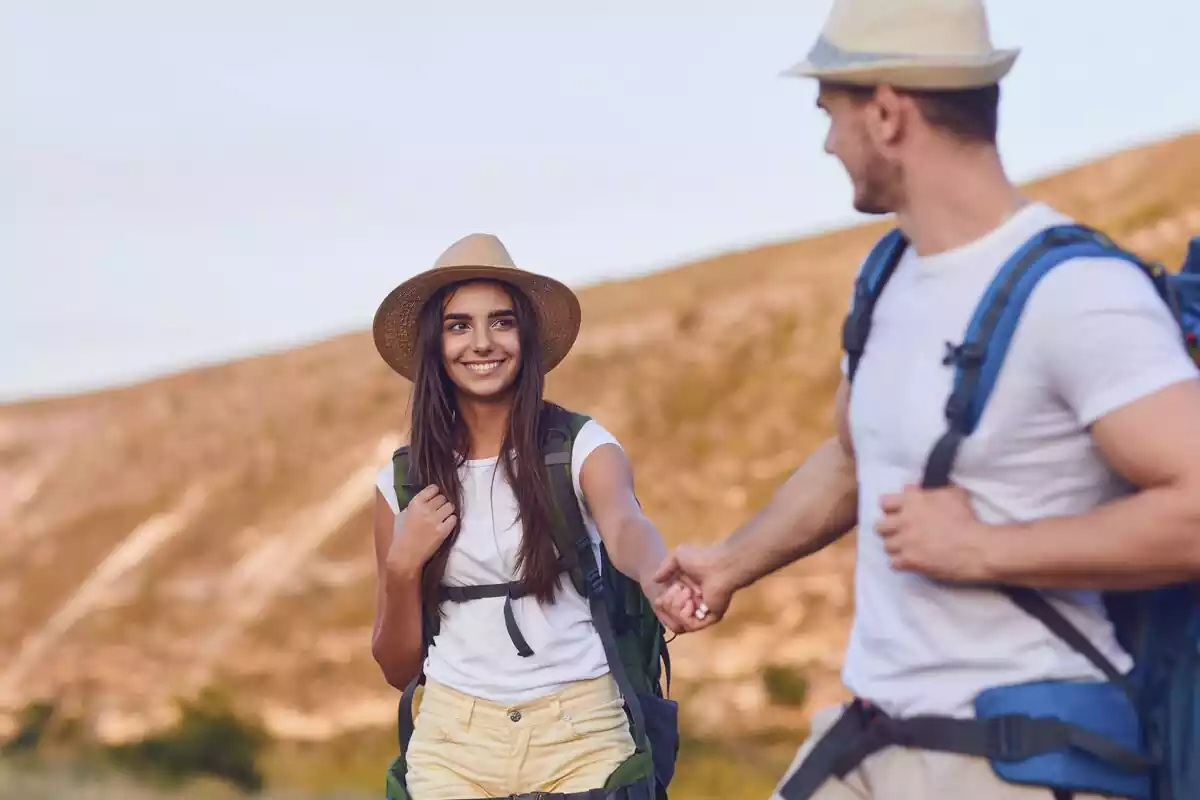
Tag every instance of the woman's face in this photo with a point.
(481, 347)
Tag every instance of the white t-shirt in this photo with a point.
(1094, 336)
(472, 651)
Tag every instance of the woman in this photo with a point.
(476, 336)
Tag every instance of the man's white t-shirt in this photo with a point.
(472, 651)
(1094, 336)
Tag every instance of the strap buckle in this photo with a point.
(1007, 738)
(968, 355)
(595, 584)
(587, 559)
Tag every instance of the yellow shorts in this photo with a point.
(568, 741)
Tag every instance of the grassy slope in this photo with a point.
(717, 376)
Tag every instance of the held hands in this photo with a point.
(668, 600)
(701, 592)
(934, 532)
(426, 523)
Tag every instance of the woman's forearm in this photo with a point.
(637, 548)
(396, 643)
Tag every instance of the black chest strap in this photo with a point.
(509, 591)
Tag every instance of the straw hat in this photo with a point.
(478, 256)
(907, 44)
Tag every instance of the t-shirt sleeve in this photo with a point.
(1105, 336)
(590, 436)
(384, 481)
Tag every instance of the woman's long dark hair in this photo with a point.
(440, 443)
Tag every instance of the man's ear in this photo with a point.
(887, 116)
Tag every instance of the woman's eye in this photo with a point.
(505, 323)
(455, 327)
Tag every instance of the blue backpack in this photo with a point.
(1132, 735)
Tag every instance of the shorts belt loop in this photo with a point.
(467, 712)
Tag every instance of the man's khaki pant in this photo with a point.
(568, 741)
(898, 773)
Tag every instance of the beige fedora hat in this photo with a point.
(907, 44)
(474, 257)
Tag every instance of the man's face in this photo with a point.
(877, 179)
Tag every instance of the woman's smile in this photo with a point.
(484, 367)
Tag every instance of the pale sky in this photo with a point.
(196, 180)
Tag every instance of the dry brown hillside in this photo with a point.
(213, 526)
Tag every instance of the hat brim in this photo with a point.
(395, 325)
(901, 72)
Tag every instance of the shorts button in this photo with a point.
(515, 716)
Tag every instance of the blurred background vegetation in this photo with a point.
(214, 752)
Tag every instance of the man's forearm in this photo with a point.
(1147, 539)
(816, 506)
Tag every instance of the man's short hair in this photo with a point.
(970, 115)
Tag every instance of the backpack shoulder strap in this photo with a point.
(405, 482)
(575, 549)
(980, 356)
(876, 270)
(570, 533)
(404, 479)
(977, 362)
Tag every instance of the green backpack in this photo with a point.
(633, 637)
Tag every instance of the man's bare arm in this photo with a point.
(1146, 539)
(813, 508)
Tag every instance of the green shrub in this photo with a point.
(785, 686)
(33, 723)
(209, 739)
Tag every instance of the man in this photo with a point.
(1097, 394)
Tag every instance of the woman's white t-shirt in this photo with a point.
(472, 651)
